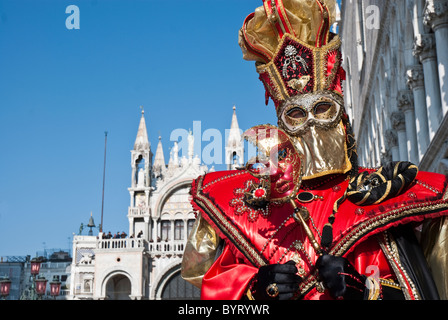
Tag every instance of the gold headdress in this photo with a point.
(294, 50)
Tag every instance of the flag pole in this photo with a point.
(104, 180)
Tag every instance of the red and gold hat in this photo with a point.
(294, 50)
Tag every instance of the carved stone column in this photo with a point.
(148, 231)
(436, 16)
(398, 123)
(415, 81)
(406, 105)
(392, 143)
(172, 231)
(424, 48)
(154, 230)
(132, 201)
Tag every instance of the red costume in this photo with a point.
(272, 238)
(306, 200)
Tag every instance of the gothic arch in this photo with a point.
(167, 191)
(164, 277)
(120, 283)
(171, 274)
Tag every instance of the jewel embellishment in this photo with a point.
(291, 59)
(241, 206)
(307, 196)
(297, 259)
(258, 195)
(412, 195)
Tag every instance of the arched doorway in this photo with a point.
(118, 288)
(177, 288)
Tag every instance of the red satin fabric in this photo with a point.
(228, 278)
(273, 236)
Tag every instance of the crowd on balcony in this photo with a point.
(121, 235)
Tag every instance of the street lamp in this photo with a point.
(35, 266)
(5, 287)
(41, 286)
(38, 284)
(55, 287)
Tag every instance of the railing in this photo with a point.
(122, 244)
(136, 212)
(158, 248)
(167, 247)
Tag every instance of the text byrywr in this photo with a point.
(226, 309)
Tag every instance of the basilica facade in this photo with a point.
(396, 92)
(146, 263)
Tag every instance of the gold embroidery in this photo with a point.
(227, 228)
(319, 65)
(366, 227)
(383, 219)
(389, 247)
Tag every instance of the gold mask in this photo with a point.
(314, 123)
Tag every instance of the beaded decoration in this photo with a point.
(241, 207)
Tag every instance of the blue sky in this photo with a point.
(61, 89)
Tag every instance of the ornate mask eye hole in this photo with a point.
(282, 154)
(258, 167)
(325, 110)
(296, 113)
(296, 116)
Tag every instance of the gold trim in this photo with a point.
(227, 228)
(389, 247)
(319, 67)
(366, 196)
(364, 228)
(402, 183)
(389, 185)
(396, 169)
(367, 226)
(390, 283)
(374, 288)
(281, 6)
(249, 295)
(278, 82)
(341, 247)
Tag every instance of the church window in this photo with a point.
(190, 224)
(166, 228)
(140, 170)
(178, 289)
(178, 230)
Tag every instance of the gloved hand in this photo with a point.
(341, 278)
(277, 281)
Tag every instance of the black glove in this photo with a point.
(277, 281)
(341, 278)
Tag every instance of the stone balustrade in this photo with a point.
(167, 247)
(121, 243)
(157, 248)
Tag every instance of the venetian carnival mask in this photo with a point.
(313, 121)
(298, 113)
(277, 164)
(299, 62)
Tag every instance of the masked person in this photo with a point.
(302, 220)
